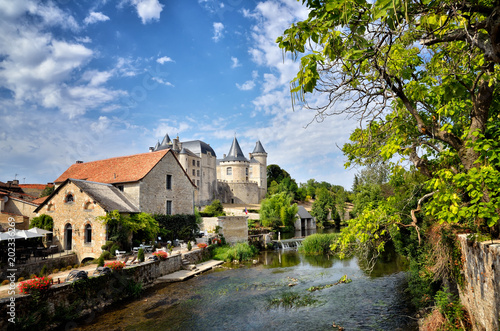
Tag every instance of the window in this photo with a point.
(88, 234)
(229, 171)
(197, 183)
(169, 182)
(88, 205)
(120, 187)
(69, 198)
(51, 207)
(198, 163)
(194, 172)
(194, 163)
(168, 210)
(198, 173)
(246, 171)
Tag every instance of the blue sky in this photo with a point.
(87, 80)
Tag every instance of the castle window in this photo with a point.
(246, 171)
(198, 173)
(229, 171)
(198, 163)
(169, 182)
(194, 172)
(198, 183)
(88, 234)
(69, 198)
(194, 163)
(168, 209)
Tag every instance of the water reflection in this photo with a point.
(237, 299)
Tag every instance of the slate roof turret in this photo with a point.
(235, 153)
(259, 148)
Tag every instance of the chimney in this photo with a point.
(223, 156)
(78, 162)
(15, 182)
(151, 149)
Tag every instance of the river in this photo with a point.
(246, 297)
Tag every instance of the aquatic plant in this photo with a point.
(239, 252)
(291, 300)
(318, 243)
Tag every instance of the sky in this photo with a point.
(89, 80)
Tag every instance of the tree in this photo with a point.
(122, 227)
(322, 206)
(422, 78)
(48, 190)
(43, 222)
(278, 210)
(215, 208)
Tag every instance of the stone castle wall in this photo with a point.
(238, 192)
(481, 292)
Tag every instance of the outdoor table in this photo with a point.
(146, 248)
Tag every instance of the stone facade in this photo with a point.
(481, 293)
(71, 221)
(234, 228)
(19, 207)
(242, 180)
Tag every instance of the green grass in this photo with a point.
(318, 243)
(239, 252)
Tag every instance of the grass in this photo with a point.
(239, 252)
(291, 300)
(318, 243)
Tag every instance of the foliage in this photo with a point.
(277, 210)
(121, 227)
(180, 226)
(100, 261)
(422, 78)
(318, 243)
(279, 181)
(450, 307)
(161, 255)
(43, 222)
(48, 190)
(140, 255)
(189, 246)
(322, 206)
(35, 285)
(238, 252)
(214, 209)
(115, 265)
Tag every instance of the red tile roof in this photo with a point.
(122, 169)
(35, 186)
(40, 200)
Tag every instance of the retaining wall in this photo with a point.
(67, 303)
(481, 292)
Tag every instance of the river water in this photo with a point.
(246, 297)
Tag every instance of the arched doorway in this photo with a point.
(68, 237)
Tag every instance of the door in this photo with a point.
(68, 235)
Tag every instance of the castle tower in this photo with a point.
(259, 170)
(234, 166)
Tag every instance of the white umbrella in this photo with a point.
(26, 234)
(7, 236)
(38, 230)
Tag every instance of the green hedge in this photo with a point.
(181, 226)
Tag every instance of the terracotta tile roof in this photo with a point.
(40, 200)
(122, 169)
(35, 186)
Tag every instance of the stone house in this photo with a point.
(199, 161)
(16, 203)
(75, 207)
(242, 180)
(304, 221)
(148, 182)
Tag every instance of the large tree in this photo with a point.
(422, 79)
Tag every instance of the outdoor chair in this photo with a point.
(119, 253)
(133, 261)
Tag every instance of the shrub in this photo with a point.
(106, 255)
(114, 248)
(76, 266)
(5, 282)
(20, 279)
(107, 245)
(55, 271)
(69, 267)
(214, 209)
(189, 246)
(115, 265)
(100, 261)
(161, 255)
(202, 245)
(140, 255)
(37, 284)
(240, 252)
(318, 243)
(44, 271)
(32, 276)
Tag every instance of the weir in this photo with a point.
(293, 243)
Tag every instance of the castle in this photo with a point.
(232, 179)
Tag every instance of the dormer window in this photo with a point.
(69, 198)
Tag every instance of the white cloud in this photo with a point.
(170, 127)
(83, 40)
(218, 31)
(235, 62)
(249, 84)
(95, 77)
(95, 17)
(161, 81)
(148, 10)
(164, 59)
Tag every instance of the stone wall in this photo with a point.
(25, 270)
(154, 194)
(481, 293)
(73, 302)
(22, 222)
(238, 192)
(234, 228)
(20, 207)
(70, 220)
